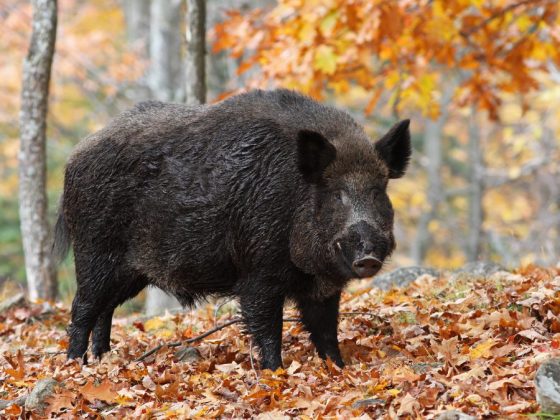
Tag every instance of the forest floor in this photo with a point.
(470, 344)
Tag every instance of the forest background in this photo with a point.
(478, 79)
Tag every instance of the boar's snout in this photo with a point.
(367, 266)
(362, 250)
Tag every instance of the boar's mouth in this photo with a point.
(345, 262)
(349, 266)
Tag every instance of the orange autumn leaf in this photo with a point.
(103, 391)
(18, 372)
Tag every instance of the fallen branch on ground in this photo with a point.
(221, 327)
(200, 337)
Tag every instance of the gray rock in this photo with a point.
(477, 269)
(367, 402)
(18, 401)
(454, 415)
(420, 368)
(188, 354)
(43, 389)
(547, 383)
(402, 277)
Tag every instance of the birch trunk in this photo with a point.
(164, 81)
(195, 73)
(434, 156)
(39, 266)
(137, 17)
(476, 188)
(433, 153)
(165, 50)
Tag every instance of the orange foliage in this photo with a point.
(404, 45)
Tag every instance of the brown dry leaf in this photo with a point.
(104, 391)
(409, 406)
(61, 400)
(531, 335)
(18, 372)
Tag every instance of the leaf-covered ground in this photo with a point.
(471, 344)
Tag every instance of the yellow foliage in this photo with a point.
(325, 59)
(482, 350)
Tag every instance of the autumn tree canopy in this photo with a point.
(407, 47)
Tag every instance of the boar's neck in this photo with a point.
(310, 253)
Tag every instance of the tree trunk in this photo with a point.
(157, 302)
(434, 157)
(195, 80)
(164, 81)
(39, 266)
(137, 16)
(433, 154)
(476, 188)
(165, 50)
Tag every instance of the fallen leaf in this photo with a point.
(103, 391)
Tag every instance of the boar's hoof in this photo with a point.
(98, 352)
(335, 358)
(72, 355)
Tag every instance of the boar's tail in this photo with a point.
(62, 241)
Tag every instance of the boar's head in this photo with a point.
(344, 229)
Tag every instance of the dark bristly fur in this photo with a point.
(266, 196)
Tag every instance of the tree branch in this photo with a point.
(200, 337)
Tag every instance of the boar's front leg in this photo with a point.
(320, 318)
(262, 312)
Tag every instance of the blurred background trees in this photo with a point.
(478, 78)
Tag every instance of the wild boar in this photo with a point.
(266, 196)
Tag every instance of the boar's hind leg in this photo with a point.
(320, 318)
(95, 287)
(262, 313)
(85, 311)
(129, 287)
(100, 338)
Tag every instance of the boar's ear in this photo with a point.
(314, 154)
(395, 149)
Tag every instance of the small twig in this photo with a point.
(251, 358)
(54, 353)
(217, 308)
(358, 313)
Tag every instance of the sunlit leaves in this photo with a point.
(495, 46)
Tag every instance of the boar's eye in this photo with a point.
(341, 197)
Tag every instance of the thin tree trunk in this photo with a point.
(137, 16)
(435, 195)
(476, 211)
(433, 153)
(164, 81)
(39, 266)
(165, 50)
(195, 73)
